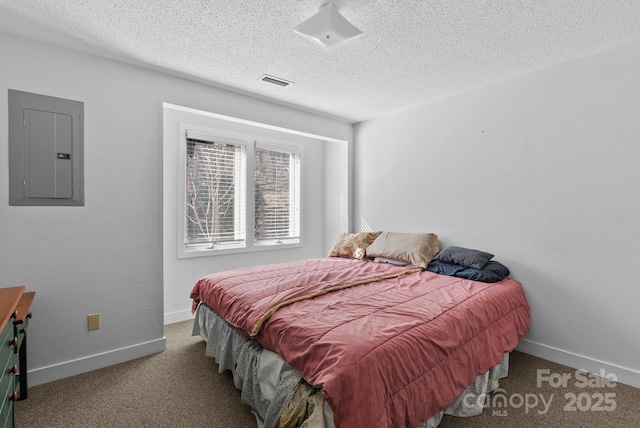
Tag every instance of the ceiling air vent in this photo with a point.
(275, 80)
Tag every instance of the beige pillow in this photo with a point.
(417, 249)
(353, 245)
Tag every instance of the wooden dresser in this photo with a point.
(15, 313)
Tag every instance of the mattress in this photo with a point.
(385, 345)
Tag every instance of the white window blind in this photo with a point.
(215, 191)
(277, 194)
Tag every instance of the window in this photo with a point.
(222, 199)
(215, 193)
(277, 195)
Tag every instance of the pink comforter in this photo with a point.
(391, 352)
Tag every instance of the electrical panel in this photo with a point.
(46, 150)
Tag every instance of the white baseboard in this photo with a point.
(82, 365)
(178, 316)
(624, 375)
(94, 362)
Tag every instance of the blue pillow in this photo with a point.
(491, 272)
(464, 256)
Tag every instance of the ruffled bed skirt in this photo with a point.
(279, 396)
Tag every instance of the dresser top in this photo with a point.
(9, 298)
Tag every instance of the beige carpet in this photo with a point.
(580, 401)
(181, 387)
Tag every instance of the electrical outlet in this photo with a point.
(93, 321)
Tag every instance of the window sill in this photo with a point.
(204, 251)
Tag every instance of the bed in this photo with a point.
(370, 336)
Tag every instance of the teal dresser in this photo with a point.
(15, 313)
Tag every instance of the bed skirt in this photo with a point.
(275, 391)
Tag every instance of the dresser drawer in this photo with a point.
(7, 377)
(7, 386)
(7, 348)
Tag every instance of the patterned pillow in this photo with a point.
(353, 245)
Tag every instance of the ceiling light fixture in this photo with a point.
(328, 28)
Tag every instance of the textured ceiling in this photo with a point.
(411, 50)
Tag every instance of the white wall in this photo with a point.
(543, 171)
(337, 212)
(107, 256)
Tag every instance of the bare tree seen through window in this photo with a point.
(211, 192)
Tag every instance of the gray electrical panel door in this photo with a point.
(45, 150)
(47, 139)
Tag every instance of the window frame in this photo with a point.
(239, 189)
(295, 181)
(250, 142)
